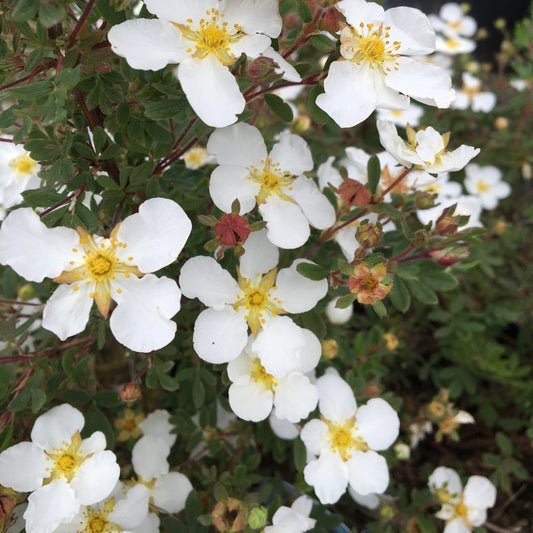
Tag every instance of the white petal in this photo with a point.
(212, 90)
(23, 467)
(297, 293)
(412, 28)
(328, 174)
(132, 510)
(314, 204)
(239, 145)
(155, 235)
(149, 525)
(328, 475)
(287, 226)
(203, 278)
(315, 436)
(180, 10)
(67, 311)
(303, 505)
(249, 400)
(336, 315)
(219, 335)
(157, 424)
(337, 401)
(241, 366)
(255, 16)
(142, 318)
(456, 160)
(251, 45)
(310, 353)
(479, 492)
(350, 96)
(287, 71)
(378, 424)
(295, 397)
(149, 457)
(49, 506)
(147, 44)
(357, 11)
(456, 526)
(447, 478)
(94, 444)
(260, 255)
(31, 249)
(229, 183)
(370, 501)
(368, 472)
(278, 345)
(422, 81)
(96, 478)
(484, 102)
(292, 153)
(283, 428)
(55, 426)
(170, 492)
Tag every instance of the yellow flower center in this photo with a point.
(211, 36)
(482, 186)
(23, 164)
(272, 181)
(371, 45)
(195, 158)
(98, 266)
(257, 299)
(65, 461)
(260, 375)
(369, 284)
(452, 43)
(461, 510)
(96, 524)
(344, 438)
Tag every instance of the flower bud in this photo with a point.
(262, 70)
(369, 235)
(330, 349)
(500, 227)
(499, 24)
(330, 20)
(130, 393)
(402, 451)
(300, 124)
(336, 315)
(447, 223)
(501, 123)
(354, 193)
(391, 341)
(257, 517)
(387, 512)
(527, 172)
(449, 256)
(26, 292)
(425, 200)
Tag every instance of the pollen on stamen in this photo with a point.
(119, 291)
(74, 249)
(71, 262)
(76, 287)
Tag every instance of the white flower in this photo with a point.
(472, 96)
(126, 509)
(257, 300)
(104, 269)
(425, 149)
(157, 424)
(18, 173)
(418, 431)
(293, 519)
(464, 417)
(467, 205)
(402, 451)
(336, 315)
(287, 200)
(370, 501)
(402, 117)
(452, 21)
(197, 157)
(168, 490)
(283, 428)
(346, 439)
(381, 64)
(462, 509)
(74, 471)
(205, 37)
(454, 45)
(486, 183)
(254, 391)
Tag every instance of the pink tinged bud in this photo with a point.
(449, 256)
(447, 223)
(130, 392)
(369, 235)
(263, 70)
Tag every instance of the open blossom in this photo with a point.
(205, 38)
(402, 117)
(486, 183)
(61, 470)
(18, 173)
(345, 440)
(472, 96)
(254, 391)
(257, 300)
(293, 519)
(288, 201)
(197, 157)
(466, 205)
(104, 269)
(463, 509)
(425, 149)
(452, 20)
(381, 64)
(370, 284)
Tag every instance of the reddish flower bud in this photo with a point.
(232, 230)
(330, 20)
(447, 223)
(449, 256)
(369, 235)
(354, 193)
(263, 70)
(130, 392)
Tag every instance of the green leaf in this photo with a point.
(25, 10)
(193, 509)
(379, 308)
(312, 271)
(31, 91)
(68, 78)
(75, 396)
(164, 109)
(280, 108)
(95, 420)
(323, 43)
(345, 301)
(374, 173)
(300, 454)
(440, 281)
(198, 392)
(49, 14)
(38, 397)
(305, 12)
(399, 295)
(107, 398)
(422, 292)
(42, 197)
(316, 113)
(504, 444)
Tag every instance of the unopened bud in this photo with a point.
(337, 315)
(507, 47)
(447, 223)
(500, 227)
(130, 393)
(257, 517)
(501, 123)
(527, 172)
(499, 24)
(369, 235)
(425, 200)
(437, 409)
(449, 256)
(391, 341)
(26, 292)
(387, 512)
(262, 70)
(402, 451)
(330, 20)
(300, 124)
(472, 67)
(330, 349)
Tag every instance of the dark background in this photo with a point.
(485, 12)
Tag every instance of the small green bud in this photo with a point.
(257, 517)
